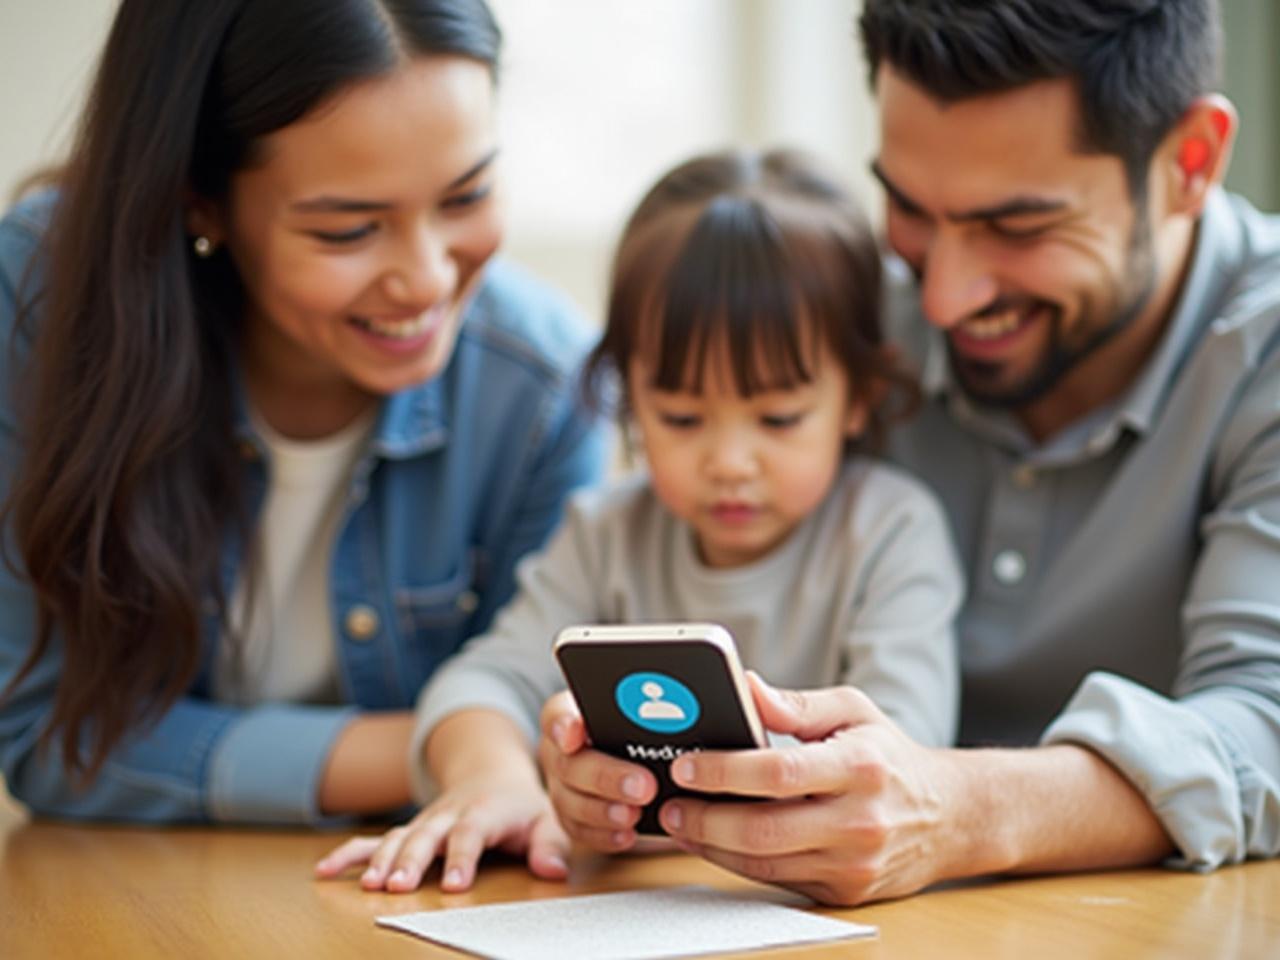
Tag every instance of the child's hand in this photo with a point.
(464, 821)
(597, 797)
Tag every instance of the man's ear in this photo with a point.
(1195, 154)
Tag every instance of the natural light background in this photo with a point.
(600, 96)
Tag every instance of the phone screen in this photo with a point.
(650, 701)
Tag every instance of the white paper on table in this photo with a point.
(638, 925)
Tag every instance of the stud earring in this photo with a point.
(203, 247)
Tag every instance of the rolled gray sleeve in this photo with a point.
(1208, 759)
(1188, 771)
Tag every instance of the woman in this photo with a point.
(274, 432)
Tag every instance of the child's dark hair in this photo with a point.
(763, 253)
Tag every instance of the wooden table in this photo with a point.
(121, 892)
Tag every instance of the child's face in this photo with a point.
(744, 472)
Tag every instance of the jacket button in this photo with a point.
(362, 623)
(467, 601)
(1009, 567)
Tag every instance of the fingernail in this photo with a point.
(453, 877)
(557, 863)
(619, 837)
(620, 813)
(682, 770)
(559, 733)
(633, 786)
(370, 874)
(672, 817)
(400, 876)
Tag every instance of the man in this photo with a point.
(1102, 363)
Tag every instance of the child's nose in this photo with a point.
(731, 456)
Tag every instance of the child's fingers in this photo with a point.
(354, 852)
(466, 843)
(573, 805)
(605, 841)
(548, 849)
(562, 724)
(381, 860)
(597, 774)
(421, 845)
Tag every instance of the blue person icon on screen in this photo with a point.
(657, 702)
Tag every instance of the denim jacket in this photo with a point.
(462, 476)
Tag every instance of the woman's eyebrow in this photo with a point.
(327, 203)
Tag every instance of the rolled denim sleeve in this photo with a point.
(199, 762)
(267, 764)
(1208, 758)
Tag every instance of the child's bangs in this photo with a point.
(732, 287)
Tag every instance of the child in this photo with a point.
(743, 327)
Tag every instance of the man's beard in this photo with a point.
(980, 379)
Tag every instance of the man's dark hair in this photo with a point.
(1138, 64)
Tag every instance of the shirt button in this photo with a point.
(362, 623)
(467, 601)
(247, 450)
(1009, 567)
(1024, 476)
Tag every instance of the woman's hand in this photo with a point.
(597, 797)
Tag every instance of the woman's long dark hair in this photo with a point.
(129, 482)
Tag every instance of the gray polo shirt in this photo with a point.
(1125, 576)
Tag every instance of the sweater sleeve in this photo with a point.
(900, 637)
(511, 668)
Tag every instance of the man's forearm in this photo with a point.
(1048, 809)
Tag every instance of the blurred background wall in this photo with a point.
(600, 96)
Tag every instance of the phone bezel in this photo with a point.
(712, 634)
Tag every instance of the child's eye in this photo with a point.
(679, 421)
(338, 238)
(781, 421)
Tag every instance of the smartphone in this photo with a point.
(650, 692)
